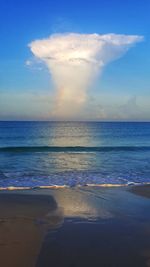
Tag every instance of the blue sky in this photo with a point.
(25, 92)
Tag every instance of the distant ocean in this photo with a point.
(34, 154)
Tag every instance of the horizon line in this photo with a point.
(108, 121)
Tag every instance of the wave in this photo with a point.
(72, 149)
(13, 188)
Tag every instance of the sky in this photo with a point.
(37, 87)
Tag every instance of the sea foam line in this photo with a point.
(12, 188)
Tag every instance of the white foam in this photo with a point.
(12, 188)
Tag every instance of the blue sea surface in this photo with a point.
(74, 153)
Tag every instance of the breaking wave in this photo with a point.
(73, 149)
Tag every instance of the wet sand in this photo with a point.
(142, 190)
(86, 226)
(23, 225)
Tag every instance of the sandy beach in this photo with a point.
(142, 190)
(87, 226)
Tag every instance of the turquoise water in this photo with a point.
(74, 153)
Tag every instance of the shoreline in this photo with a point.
(128, 185)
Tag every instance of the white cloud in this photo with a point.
(28, 62)
(74, 60)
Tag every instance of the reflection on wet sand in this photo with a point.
(74, 227)
(26, 217)
(82, 204)
(115, 236)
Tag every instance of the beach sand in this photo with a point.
(142, 190)
(87, 226)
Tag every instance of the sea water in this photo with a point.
(34, 154)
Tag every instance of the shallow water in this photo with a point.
(74, 153)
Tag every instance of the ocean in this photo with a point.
(38, 154)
